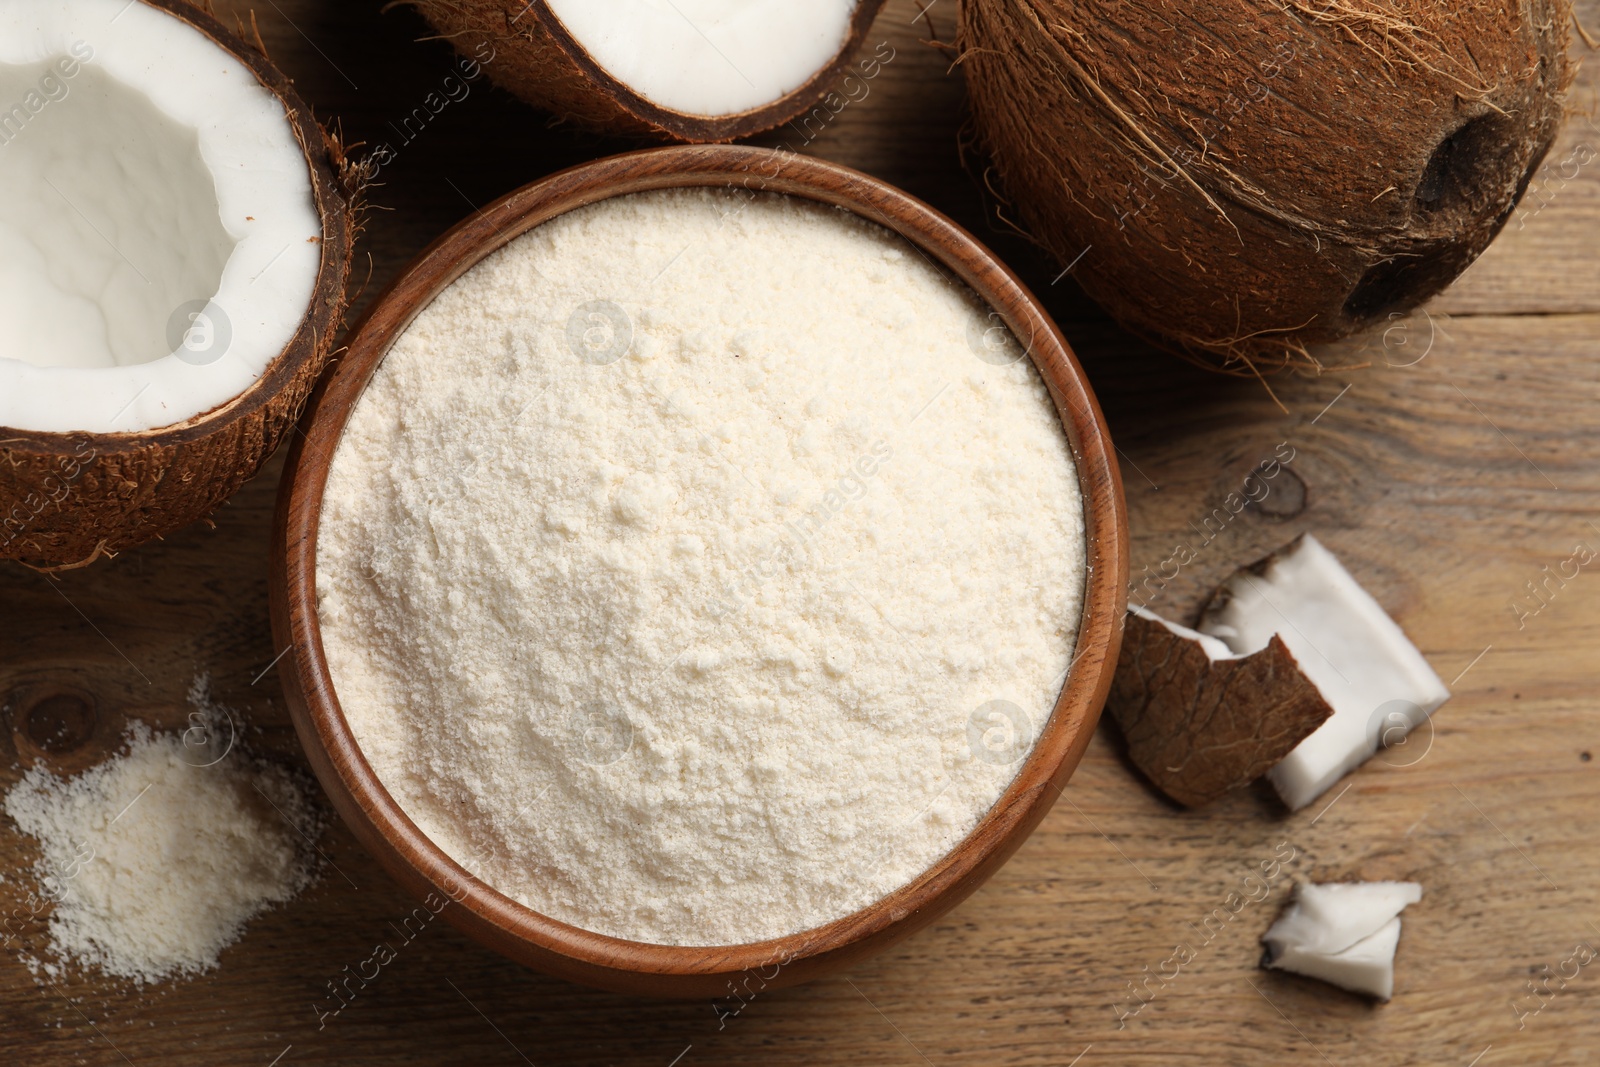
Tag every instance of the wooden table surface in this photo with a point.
(1446, 475)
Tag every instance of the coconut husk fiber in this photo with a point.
(1250, 177)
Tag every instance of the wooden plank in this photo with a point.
(1451, 470)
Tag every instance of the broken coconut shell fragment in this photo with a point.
(1237, 181)
(1379, 685)
(700, 72)
(1201, 721)
(1295, 672)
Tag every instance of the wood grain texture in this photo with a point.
(1445, 486)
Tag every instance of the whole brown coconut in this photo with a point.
(68, 499)
(1247, 177)
(538, 58)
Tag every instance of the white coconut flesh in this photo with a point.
(159, 240)
(1343, 933)
(709, 58)
(1378, 684)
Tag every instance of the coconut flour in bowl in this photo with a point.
(699, 569)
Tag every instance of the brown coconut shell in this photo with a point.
(538, 60)
(1253, 176)
(68, 499)
(1199, 729)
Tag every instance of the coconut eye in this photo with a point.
(1468, 167)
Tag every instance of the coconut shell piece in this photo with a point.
(538, 60)
(1378, 682)
(69, 499)
(1198, 727)
(1244, 178)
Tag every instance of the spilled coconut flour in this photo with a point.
(156, 858)
(674, 560)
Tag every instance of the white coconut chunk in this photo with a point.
(1343, 933)
(1331, 917)
(1376, 681)
(709, 57)
(159, 240)
(1214, 649)
(1365, 967)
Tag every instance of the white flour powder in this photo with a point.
(686, 573)
(156, 858)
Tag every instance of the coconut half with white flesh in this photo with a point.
(174, 241)
(1343, 933)
(1370, 673)
(699, 71)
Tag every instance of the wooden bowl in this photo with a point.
(593, 959)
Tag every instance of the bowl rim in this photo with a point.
(599, 959)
